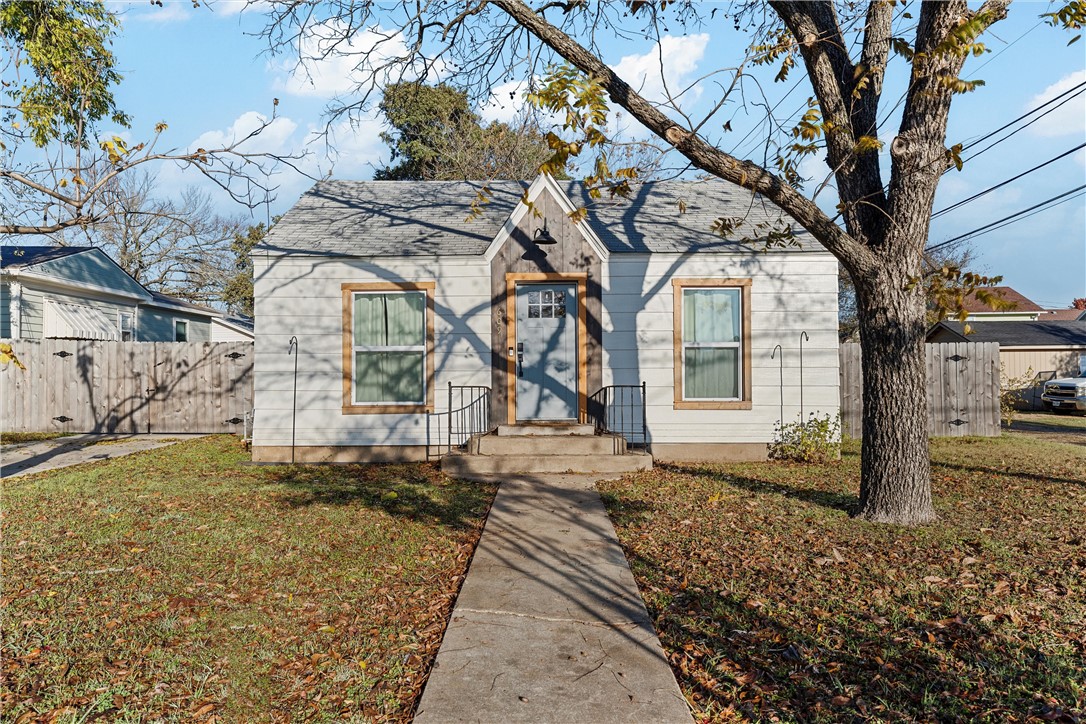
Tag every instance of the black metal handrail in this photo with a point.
(467, 414)
(620, 409)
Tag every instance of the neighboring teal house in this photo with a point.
(80, 293)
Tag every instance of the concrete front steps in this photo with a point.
(545, 449)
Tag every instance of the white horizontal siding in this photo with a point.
(301, 296)
(790, 294)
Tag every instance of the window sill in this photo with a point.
(713, 405)
(386, 409)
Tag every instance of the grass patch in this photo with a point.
(773, 604)
(1056, 421)
(178, 584)
(13, 438)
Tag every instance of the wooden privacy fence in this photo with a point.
(963, 389)
(127, 387)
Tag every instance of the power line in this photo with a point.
(1017, 216)
(1028, 113)
(1023, 127)
(987, 191)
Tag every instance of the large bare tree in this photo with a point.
(180, 247)
(846, 51)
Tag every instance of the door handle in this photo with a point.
(520, 364)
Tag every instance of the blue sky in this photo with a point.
(205, 73)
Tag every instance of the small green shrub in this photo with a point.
(814, 440)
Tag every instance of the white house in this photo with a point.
(394, 293)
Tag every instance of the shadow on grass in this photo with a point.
(415, 491)
(843, 665)
(845, 502)
(1019, 474)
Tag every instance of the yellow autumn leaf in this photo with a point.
(7, 355)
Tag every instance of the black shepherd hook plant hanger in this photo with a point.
(802, 336)
(293, 349)
(780, 349)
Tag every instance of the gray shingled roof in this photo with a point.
(17, 257)
(419, 218)
(1021, 334)
(160, 298)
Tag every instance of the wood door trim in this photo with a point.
(511, 280)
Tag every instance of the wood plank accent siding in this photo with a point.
(962, 389)
(128, 387)
(571, 258)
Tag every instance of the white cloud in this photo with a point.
(1067, 120)
(352, 149)
(177, 11)
(666, 69)
(274, 138)
(336, 59)
(229, 8)
(506, 102)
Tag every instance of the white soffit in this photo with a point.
(76, 321)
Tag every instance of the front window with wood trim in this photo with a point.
(388, 347)
(712, 343)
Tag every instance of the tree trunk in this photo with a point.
(895, 480)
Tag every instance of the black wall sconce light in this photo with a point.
(543, 236)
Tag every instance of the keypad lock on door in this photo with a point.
(520, 359)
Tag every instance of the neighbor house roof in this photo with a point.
(158, 299)
(1018, 334)
(17, 257)
(1021, 304)
(1062, 315)
(412, 218)
(244, 324)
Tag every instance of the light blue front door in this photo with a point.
(546, 349)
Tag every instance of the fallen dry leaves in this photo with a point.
(180, 585)
(773, 604)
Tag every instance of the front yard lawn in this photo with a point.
(179, 585)
(15, 438)
(773, 604)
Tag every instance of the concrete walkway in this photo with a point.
(61, 452)
(549, 625)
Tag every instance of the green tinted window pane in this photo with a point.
(711, 315)
(388, 377)
(395, 319)
(711, 373)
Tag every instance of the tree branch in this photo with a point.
(700, 153)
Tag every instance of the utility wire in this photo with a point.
(1023, 127)
(1030, 112)
(987, 191)
(1017, 216)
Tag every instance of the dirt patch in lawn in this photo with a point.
(180, 585)
(773, 604)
